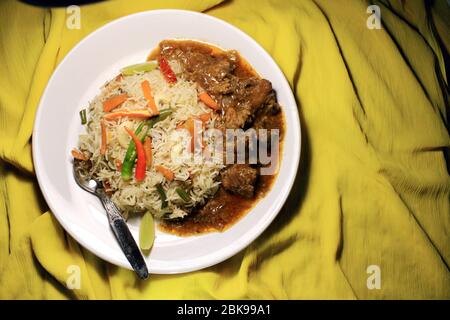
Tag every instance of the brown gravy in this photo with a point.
(233, 206)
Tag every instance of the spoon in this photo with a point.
(116, 221)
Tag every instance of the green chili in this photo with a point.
(131, 155)
(83, 116)
(162, 116)
(163, 196)
(183, 194)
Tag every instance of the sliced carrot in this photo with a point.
(148, 151)
(206, 99)
(145, 85)
(204, 117)
(189, 125)
(118, 165)
(167, 173)
(180, 125)
(114, 101)
(128, 113)
(79, 155)
(103, 145)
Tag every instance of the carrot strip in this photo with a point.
(79, 155)
(189, 125)
(118, 165)
(148, 151)
(206, 99)
(103, 145)
(145, 85)
(127, 113)
(167, 173)
(205, 117)
(180, 125)
(114, 102)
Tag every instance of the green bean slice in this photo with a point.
(83, 116)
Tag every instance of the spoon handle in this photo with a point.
(124, 236)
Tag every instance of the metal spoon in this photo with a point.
(116, 221)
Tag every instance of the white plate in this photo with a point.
(78, 78)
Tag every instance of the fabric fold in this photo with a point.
(373, 184)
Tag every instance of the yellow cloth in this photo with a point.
(373, 186)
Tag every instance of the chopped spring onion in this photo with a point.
(183, 194)
(83, 116)
(163, 196)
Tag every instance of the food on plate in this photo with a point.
(146, 137)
